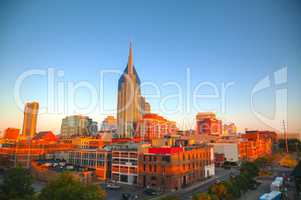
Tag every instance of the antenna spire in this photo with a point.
(130, 61)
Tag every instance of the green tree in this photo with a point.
(65, 187)
(249, 168)
(16, 185)
(218, 189)
(297, 176)
(232, 190)
(262, 162)
(204, 196)
(241, 183)
(293, 145)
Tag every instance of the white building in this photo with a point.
(230, 150)
(210, 169)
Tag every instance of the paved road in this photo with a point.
(185, 194)
(116, 194)
(220, 174)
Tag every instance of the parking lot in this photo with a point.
(116, 194)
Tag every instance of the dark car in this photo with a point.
(128, 196)
(151, 192)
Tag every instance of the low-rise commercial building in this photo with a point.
(255, 144)
(98, 159)
(171, 168)
(125, 163)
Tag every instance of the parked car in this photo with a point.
(112, 186)
(128, 196)
(151, 192)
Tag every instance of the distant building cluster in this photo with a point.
(109, 124)
(207, 123)
(138, 147)
(78, 125)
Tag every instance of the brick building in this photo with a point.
(171, 168)
(255, 144)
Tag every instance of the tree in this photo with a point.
(241, 183)
(204, 196)
(297, 176)
(263, 162)
(66, 187)
(233, 191)
(249, 168)
(17, 185)
(293, 145)
(219, 190)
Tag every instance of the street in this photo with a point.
(185, 194)
(220, 175)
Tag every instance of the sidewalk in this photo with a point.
(187, 189)
(197, 185)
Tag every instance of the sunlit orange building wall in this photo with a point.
(171, 168)
(153, 126)
(255, 144)
(30, 119)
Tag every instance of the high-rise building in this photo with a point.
(30, 119)
(145, 106)
(129, 100)
(207, 123)
(78, 125)
(109, 124)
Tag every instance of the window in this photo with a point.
(123, 178)
(166, 158)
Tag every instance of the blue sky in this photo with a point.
(219, 41)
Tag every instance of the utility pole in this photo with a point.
(285, 136)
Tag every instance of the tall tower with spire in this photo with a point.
(129, 96)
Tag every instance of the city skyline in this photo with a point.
(161, 57)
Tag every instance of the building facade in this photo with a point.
(30, 119)
(229, 150)
(98, 159)
(125, 163)
(145, 106)
(109, 124)
(229, 129)
(256, 144)
(153, 126)
(172, 168)
(207, 123)
(78, 125)
(129, 109)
